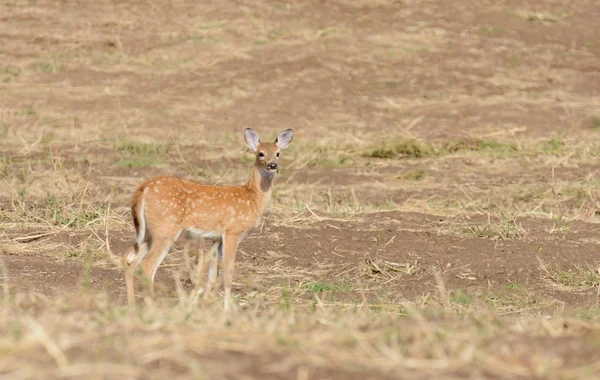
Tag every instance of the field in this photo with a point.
(435, 217)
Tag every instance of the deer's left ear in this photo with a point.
(285, 138)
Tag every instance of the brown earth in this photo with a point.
(500, 98)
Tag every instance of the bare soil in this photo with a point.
(95, 97)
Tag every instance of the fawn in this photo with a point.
(164, 207)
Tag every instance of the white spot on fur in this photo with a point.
(130, 257)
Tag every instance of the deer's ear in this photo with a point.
(251, 138)
(285, 138)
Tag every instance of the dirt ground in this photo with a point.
(445, 156)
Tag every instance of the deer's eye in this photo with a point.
(277, 154)
(261, 154)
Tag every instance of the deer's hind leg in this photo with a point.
(150, 263)
(130, 263)
(215, 254)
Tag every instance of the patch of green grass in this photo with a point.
(553, 145)
(415, 175)
(486, 146)
(390, 84)
(380, 153)
(389, 204)
(288, 342)
(142, 149)
(174, 64)
(417, 49)
(25, 174)
(200, 39)
(513, 62)
(460, 297)
(327, 32)
(212, 25)
(497, 146)
(277, 33)
(546, 17)
(22, 193)
(493, 31)
(515, 300)
(503, 230)
(138, 155)
(590, 183)
(11, 73)
(196, 172)
(318, 287)
(29, 111)
(6, 167)
(286, 298)
(513, 286)
(60, 212)
(86, 270)
(335, 161)
(514, 297)
(596, 122)
(11, 70)
(50, 66)
(327, 157)
(108, 58)
(533, 16)
(591, 313)
(576, 192)
(139, 162)
(400, 147)
(279, 6)
(576, 277)
(73, 254)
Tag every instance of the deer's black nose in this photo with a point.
(272, 166)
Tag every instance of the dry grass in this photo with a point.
(486, 132)
(88, 335)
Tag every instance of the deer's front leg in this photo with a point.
(230, 245)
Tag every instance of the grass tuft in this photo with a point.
(493, 31)
(400, 147)
(138, 155)
(503, 230)
(460, 297)
(318, 287)
(554, 144)
(576, 277)
(60, 212)
(142, 149)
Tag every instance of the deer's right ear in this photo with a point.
(251, 138)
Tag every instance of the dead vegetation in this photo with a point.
(172, 339)
(436, 216)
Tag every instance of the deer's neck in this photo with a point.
(261, 187)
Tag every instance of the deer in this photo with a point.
(164, 207)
